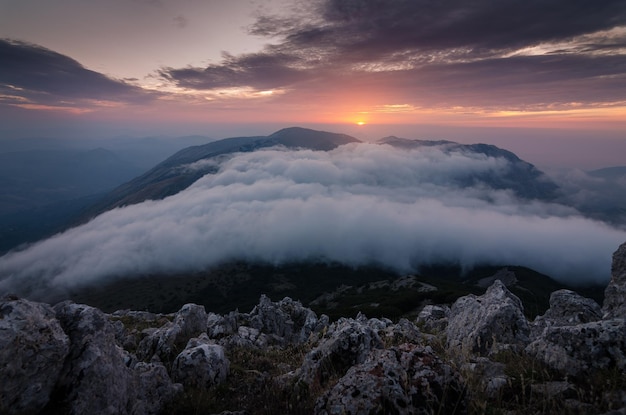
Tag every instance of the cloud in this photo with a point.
(358, 204)
(505, 54)
(33, 76)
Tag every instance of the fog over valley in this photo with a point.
(399, 204)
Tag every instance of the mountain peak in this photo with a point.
(312, 139)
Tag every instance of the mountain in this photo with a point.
(522, 177)
(167, 178)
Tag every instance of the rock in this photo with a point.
(94, 378)
(33, 348)
(154, 388)
(567, 308)
(615, 293)
(491, 375)
(98, 376)
(287, 319)
(403, 332)
(433, 318)
(347, 342)
(221, 326)
(582, 347)
(400, 380)
(167, 341)
(202, 364)
(488, 323)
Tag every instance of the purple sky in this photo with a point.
(544, 78)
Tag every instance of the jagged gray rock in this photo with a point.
(567, 308)
(286, 319)
(202, 364)
(169, 340)
(95, 377)
(33, 348)
(153, 387)
(615, 294)
(491, 322)
(346, 343)
(269, 323)
(400, 380)
(582, 347)
(491, 375)
(433, 318)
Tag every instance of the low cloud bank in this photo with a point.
(358, 204)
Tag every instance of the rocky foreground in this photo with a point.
(478, 355)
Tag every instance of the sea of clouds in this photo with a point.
(358, 204)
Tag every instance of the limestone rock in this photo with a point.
(487, 323)
(94, 378)
(492, 376)
(346, 343)
(33, 348)
(433, 318)
(286, 319)
(202, 364)
(567, 308)
(169, 340)
(615, 293)
(154, 389)
(401, 380)
(582, 347)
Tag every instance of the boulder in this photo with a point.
(567, 308)
(433, 318)
(153, 387)
(202, 364)
(287, 319)
(99, 376)
(580, 348)
(33, 348)
(615, 294)
(346, 343)
(95, 378)
(407, 379)
(169, 340)
(489, 323)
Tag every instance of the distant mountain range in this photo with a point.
(47, 191)
(167, 178)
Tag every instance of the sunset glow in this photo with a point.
(169, 67)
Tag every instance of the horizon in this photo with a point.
(554, 94)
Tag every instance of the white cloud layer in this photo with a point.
(357, 204)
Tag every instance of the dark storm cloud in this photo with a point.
(261, 70)
(437, 46)
(32, 74)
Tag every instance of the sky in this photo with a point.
(543, 78)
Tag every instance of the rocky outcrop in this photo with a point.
(567, 308)
(615, 293)
(169, 340)
(582, 347)
(202, 364)
(489, 323)
(400, 380)
(287, 319)
(269, 323)
(33, 348)
(433, 318)
(74, 359)
(346, 343)
(97, 376)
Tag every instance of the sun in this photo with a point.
(360, 123)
